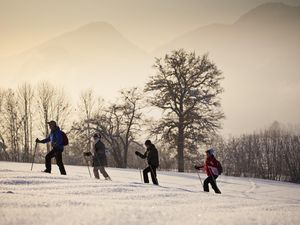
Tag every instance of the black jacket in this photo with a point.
(152, 156)
(99, 158)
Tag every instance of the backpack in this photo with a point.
(220, 168)
(64, 138)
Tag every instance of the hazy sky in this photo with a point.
(147, 23)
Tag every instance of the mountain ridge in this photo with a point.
(253, 56)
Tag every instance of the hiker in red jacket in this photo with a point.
(211, 168)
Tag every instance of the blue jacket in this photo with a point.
(56, 139)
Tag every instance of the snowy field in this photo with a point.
(35, 198)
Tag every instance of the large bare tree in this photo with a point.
(187, 88)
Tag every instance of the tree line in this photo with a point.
(273, 153)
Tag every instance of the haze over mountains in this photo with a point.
(258, 54)
(148, 24)
(95, 55)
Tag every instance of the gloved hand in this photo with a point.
(87, 153)
(37, 140)
(197, 167)
(138, 153)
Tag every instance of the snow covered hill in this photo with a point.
(36, 198)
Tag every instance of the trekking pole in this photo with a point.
(140, 171)
(35, 147)
(200, 178)
(141, 175)
(87, 163)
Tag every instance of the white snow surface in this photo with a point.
(35, 198)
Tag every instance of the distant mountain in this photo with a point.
(98, 39)
(266, 22)
(94, 54)
(259, 55)
(96, 44)
(271, 14)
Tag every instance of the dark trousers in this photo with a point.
(212, 181)
(152, 170)
(102, 170)
(58, 157)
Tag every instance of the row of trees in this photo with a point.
(25, 111)
(270, 154)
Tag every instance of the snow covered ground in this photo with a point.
(35, 198)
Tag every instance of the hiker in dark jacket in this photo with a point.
(56, 140)
(153, 162)
(99, 158)
(211, 169)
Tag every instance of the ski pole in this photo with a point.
(141, 175)
(140, 171)
(200, 178)
(87, 163)
(35, 147)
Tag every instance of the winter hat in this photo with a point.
(52, 123)
(148, 142)
(210, 152)
(97, 135)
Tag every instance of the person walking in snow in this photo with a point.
(153, 162)
(211, 168)
(99, 158)
(56, 139)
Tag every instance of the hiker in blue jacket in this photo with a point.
(56, 139)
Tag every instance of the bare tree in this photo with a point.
(120, 123)
(87, 107)
(45, 96)
(12, 124)
(61, 109)
(3, 146)
(130, 118)
(187, 88)
(26, 94)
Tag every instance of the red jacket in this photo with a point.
(211, 166)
